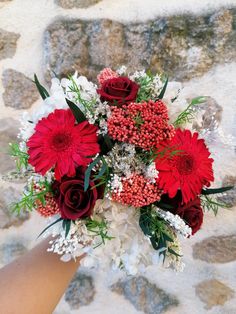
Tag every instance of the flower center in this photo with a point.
(61, 141)
(185, 164)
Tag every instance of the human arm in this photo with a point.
(35, 282)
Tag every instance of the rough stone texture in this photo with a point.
(9, 128)
(220, 249)
(183, 46)
(7, 218)
(10, 251)
(229, 197)
(213, 292)
(8, 41)
(81, 291)
(70, 4)
(211, 114)
(144, 295)
(20, 91)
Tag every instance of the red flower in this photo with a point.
(71, 198)
(59, 142)
(189, 170)
(191, 212)
(119, 90)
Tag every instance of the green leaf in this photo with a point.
(198, 100)
(53, 223)
(101, 172)
(42, 90)
(106, 144)
(162, 93)
(88, 172)
(66, 226)
(216, 191)
(78, 114)
(144, 222)
(171, 251)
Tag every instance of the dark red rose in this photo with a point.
(73, 202)
(120, 90)
(191, 212)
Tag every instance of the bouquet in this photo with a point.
(115, 169)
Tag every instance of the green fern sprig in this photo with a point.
(210, 204)
(188, 114)
(20, 156)
(31, 196)
(98, 228)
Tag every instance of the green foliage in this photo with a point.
(66, 223)
(88, 171)
(101, 177)
(157, 230)
(78, 114)
(98, 228)
(30, 197)
(147, 157)
(162, 93)
(145, 84)
(87, 105)
(138, 120)
(210, 204)
(20, 156)
(216, 191)
(42, 90)
(188, 114)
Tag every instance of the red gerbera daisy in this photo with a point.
(59, 142)
(189, 170)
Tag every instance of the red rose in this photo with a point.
(118, 90)
(73, 202)
(191, 212)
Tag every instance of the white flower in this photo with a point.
(176, 222)
(122, 70)
(151, 172)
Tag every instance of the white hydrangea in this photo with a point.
(87, 89)
(128, 249)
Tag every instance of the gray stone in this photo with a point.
(20, 92)
(218, 249)
(144, 296)
(70, 4)
(183, 46)
(211, 114)
(81, 291)
(229, 197)
(7, 218)
(8, 43)
(213, 292)
(9, 128)
(10, 251)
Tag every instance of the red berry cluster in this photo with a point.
(50, 207)
(137, 191)
(142, 124)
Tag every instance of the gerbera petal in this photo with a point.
(190, 170)
(59, 142)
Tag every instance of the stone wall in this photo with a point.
(192, 42)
